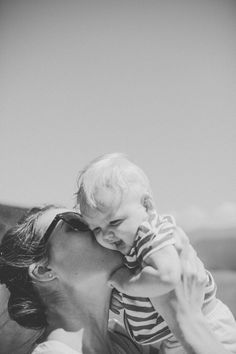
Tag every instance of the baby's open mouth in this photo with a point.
(118, 243)
(121, 246)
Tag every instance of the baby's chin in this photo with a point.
(123, 247)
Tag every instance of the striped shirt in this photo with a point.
(142, 321)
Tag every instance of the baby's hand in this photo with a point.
(120, 279)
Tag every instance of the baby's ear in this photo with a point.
(148, 203)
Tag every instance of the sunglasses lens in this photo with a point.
(75, 221)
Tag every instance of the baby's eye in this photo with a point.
(116, 222)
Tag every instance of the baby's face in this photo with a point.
(116, 223)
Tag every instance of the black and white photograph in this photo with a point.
(117, 177)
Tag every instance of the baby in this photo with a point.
(115, 198)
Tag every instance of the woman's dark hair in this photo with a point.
(18, 250)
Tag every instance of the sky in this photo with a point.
(155, 80)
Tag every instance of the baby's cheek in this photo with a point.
(99, 239)
(138, 221)
(105, 244)
(135, 225)
(128, 227)
(130, 232)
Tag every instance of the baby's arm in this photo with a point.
(159, 275)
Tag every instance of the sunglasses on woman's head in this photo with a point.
(69, 217)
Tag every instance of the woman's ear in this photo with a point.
(41, 272)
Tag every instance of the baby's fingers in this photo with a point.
(116, 302)
(116, 295)
(116, 306)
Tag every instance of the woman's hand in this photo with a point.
(190, 291)
(185, 305)
(188, 295)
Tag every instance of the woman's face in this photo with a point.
(75, 256)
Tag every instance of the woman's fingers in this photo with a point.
(201, 273)
(193, 277)
(181, 239)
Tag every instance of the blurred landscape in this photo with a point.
(215, 247)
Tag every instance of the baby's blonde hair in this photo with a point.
(113, 171)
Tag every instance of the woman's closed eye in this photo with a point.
(96, 230)
(69, 227)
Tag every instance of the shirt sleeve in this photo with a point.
(152, 237)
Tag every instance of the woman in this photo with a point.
(57, 275)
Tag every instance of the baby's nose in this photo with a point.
(109, 236)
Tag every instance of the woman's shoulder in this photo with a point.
(121, 342)
(54, 347)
